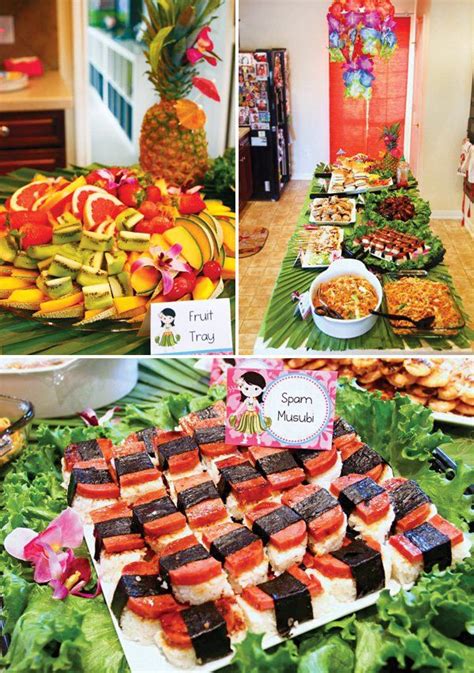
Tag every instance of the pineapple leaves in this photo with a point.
(157, 45)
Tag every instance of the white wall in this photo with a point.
(448, 82)
(300, 26)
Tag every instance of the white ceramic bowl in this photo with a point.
(345, 329)
(64, 386)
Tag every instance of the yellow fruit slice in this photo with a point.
(145, 279)
(204, 288)
(11, 283)
(26, 274)
(124, 304)
(32, 295)
(229, 235)
(60, 304)
(190, 247)
(228, 269)
(56, 197)
(190, 115)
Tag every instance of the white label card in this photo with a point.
(191, 327)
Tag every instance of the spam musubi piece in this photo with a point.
(137, 475)
(411, 505)
(320, 467)
(282, 530)
(359, 458)
(200, 633)
(139, 599)
(434, 542)
(240, 551)
(212, 446)
(157, 518)
(240, 485)
(81, 452)
(178, 455)
(205, 418)
(194, 575)
(355, 570)
(367, 505)
(197, 497)
(324, 517)
(279, 604)
(116, 543)
(277, 466)
(147, 436)
(343, 433)
(91, 486)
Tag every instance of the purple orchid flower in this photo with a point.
(365, 63)
(372, 20)
(334, 24)
(352, 19)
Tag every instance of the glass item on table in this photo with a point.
(402, 174)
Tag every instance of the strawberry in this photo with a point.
(153, 193)
(131, 194)
(190, 278)
(191, 203)
(212, 270)
(3, 221)
(179, 289)
(34, 217)
(148, 209)
(35, 234)
(157, 225)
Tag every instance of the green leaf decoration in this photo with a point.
(157, 45)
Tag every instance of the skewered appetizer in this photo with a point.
(392, 245)
(320, 246)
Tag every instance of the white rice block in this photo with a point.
(379, 530)
(131, 493)
(210, 464)
(170, 478)
(325, 478)
(84, 506)
(462, 550)
(403, 571)
(111, 565)
(282, 560)
(249, 578)
(136, 628)
(264, 621)
(342, 589)
(66, 474)
(238, 511)
(181, 657)
(196, 594)
(158, 543)
(387, 473)
(330, 543)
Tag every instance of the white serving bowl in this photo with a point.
(64, 386)
(345, 329)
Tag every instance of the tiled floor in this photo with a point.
(258, 273)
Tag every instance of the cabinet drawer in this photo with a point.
(31, 129)
(41, 159)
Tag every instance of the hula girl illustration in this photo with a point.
(251, 422)
(168, 338)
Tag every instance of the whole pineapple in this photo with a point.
(173, 146)
(391, 158)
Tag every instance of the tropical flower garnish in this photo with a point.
(89, 416)
(167, 262)
(190, 115)
(50, 553)
(206, 87)
(203, 48)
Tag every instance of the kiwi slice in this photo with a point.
(93, 259)
(44, 251)
(128, 218)
(90, 276)
(24, 261)
(58, 287)
(8, 250)
(70, 234)
(115, 262)
(44, 264)
(120, 285)
(63, 266)
(67, 220)
(133, 241)
(92, 240)
(97, 296)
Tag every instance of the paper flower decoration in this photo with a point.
(359, 30)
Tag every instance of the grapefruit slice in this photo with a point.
(99, 208)
(26, 197)
(61, 194)
(80, 196)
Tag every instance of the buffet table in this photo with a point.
(284, 333)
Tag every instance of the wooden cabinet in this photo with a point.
(33, 139)
(245, 171)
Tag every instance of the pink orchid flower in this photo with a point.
(89, 416)
(202, 48)
(166, 261)
(45, 551)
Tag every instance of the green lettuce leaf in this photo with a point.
(251, 657)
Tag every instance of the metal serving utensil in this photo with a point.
(422, 323)
(324, 310)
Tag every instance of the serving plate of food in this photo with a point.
(99, 248)
(198, 543)
(333, 210)
(319, 247)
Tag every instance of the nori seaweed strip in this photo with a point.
(135, 462)
(110, 528)
(196, 494)
(150, 511)
(213, 435)
(341, 428)
(361, 461)
(292, 601)
(235, 474)
(175, 447)
(362, 491)
(147, 436)
(208, 632)
(88, 450)
(272, 523)
(276, 462)
(303, 455)
(314, 505)
(407, 497)
(86, 475)
(434, 545)
(135, 586)
(366, 566)
(228, 544)
(207, 413)
(172, 561)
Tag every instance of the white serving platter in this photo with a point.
(319, 200)
(360, 190)
(453, 419)
(149, 659)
